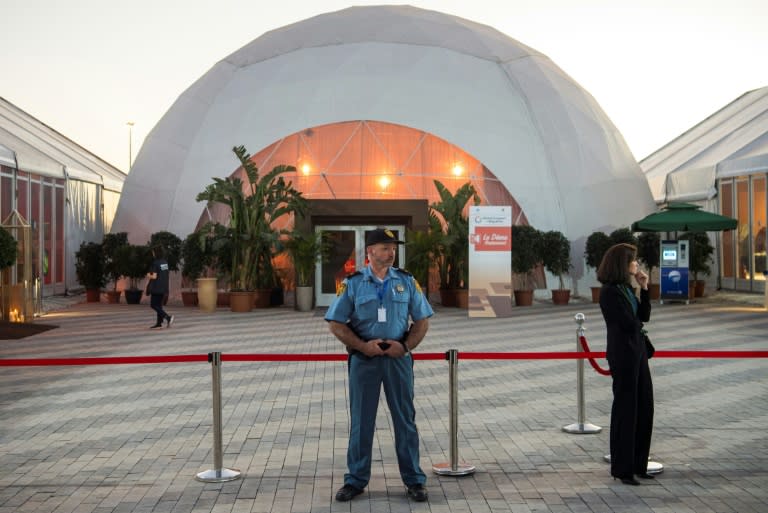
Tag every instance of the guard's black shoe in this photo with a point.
(347, 493)
(417, 492)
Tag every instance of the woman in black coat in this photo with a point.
(624, 314)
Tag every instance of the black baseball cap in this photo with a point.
(381, 235)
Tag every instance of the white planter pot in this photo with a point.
(305, 297)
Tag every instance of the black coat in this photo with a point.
(624, 338)
(632, 409)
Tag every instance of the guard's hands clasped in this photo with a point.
(382, 347)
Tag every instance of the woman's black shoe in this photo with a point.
(628, 481)
(646, 475)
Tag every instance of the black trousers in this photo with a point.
(631, 414)
(156, 302)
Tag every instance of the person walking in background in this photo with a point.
(370, 316)
(158, 287)
(624, 314)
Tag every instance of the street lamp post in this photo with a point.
(130, 143)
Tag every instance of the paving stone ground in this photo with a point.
(131, 438)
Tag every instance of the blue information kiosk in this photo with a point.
(674, 270)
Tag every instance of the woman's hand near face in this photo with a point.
(642, 279)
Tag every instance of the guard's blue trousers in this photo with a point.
(366, 377)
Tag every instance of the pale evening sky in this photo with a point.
(657, 67)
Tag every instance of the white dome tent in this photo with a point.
(506, 105)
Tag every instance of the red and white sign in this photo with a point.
(493, 238)
(490, 258)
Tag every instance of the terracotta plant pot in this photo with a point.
(596, 294)
(654, 290)
(523, 297)
(240, 301)
(462, 298)
(561, 296)
(222, 298)
(262, 298)
(113, 296)
(448, 297)
(698, 288)
(93, 295)
(189, 297)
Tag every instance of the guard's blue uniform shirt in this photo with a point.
(360, 297)
(363, 294)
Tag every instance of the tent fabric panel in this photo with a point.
(7, 156)
(83, 222)
(691, 184)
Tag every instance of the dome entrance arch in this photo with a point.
(376, 160)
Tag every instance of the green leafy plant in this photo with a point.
(451, 228)
(305, 250)
(8, 249)
(171, 245)
(648, 250)
(111, 245)
(420, 253)
(700, 253)
(623, 235)
(597, 244)
(556, 254)
(195, 256)
(526, 252)
(90, 265)
(134, 263)
(254, 205)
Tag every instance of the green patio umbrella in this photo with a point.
(683, 217)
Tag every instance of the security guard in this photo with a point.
(370, 316)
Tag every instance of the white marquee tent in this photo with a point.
(731, 142)
(510, 107)
(92, 187)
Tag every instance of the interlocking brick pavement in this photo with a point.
(131, 438)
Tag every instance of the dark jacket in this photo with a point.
(623, 325)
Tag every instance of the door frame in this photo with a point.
(325, 299)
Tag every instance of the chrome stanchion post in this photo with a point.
(580, 427)
(453, 468)
(218, 474)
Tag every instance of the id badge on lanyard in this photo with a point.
(382, 311)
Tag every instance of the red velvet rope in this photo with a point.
(29, 362)
(592, 362)
(333, 357)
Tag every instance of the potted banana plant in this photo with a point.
(255, 202)
(306, 249)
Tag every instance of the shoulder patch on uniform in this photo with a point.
(341, 288)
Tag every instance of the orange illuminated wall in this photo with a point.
(375, 160)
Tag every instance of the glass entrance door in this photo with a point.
(347, 255)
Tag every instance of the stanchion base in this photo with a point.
(446, 469)
(582, 429)
(654, 467)
(218, 476)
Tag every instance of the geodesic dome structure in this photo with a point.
(502, 113)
